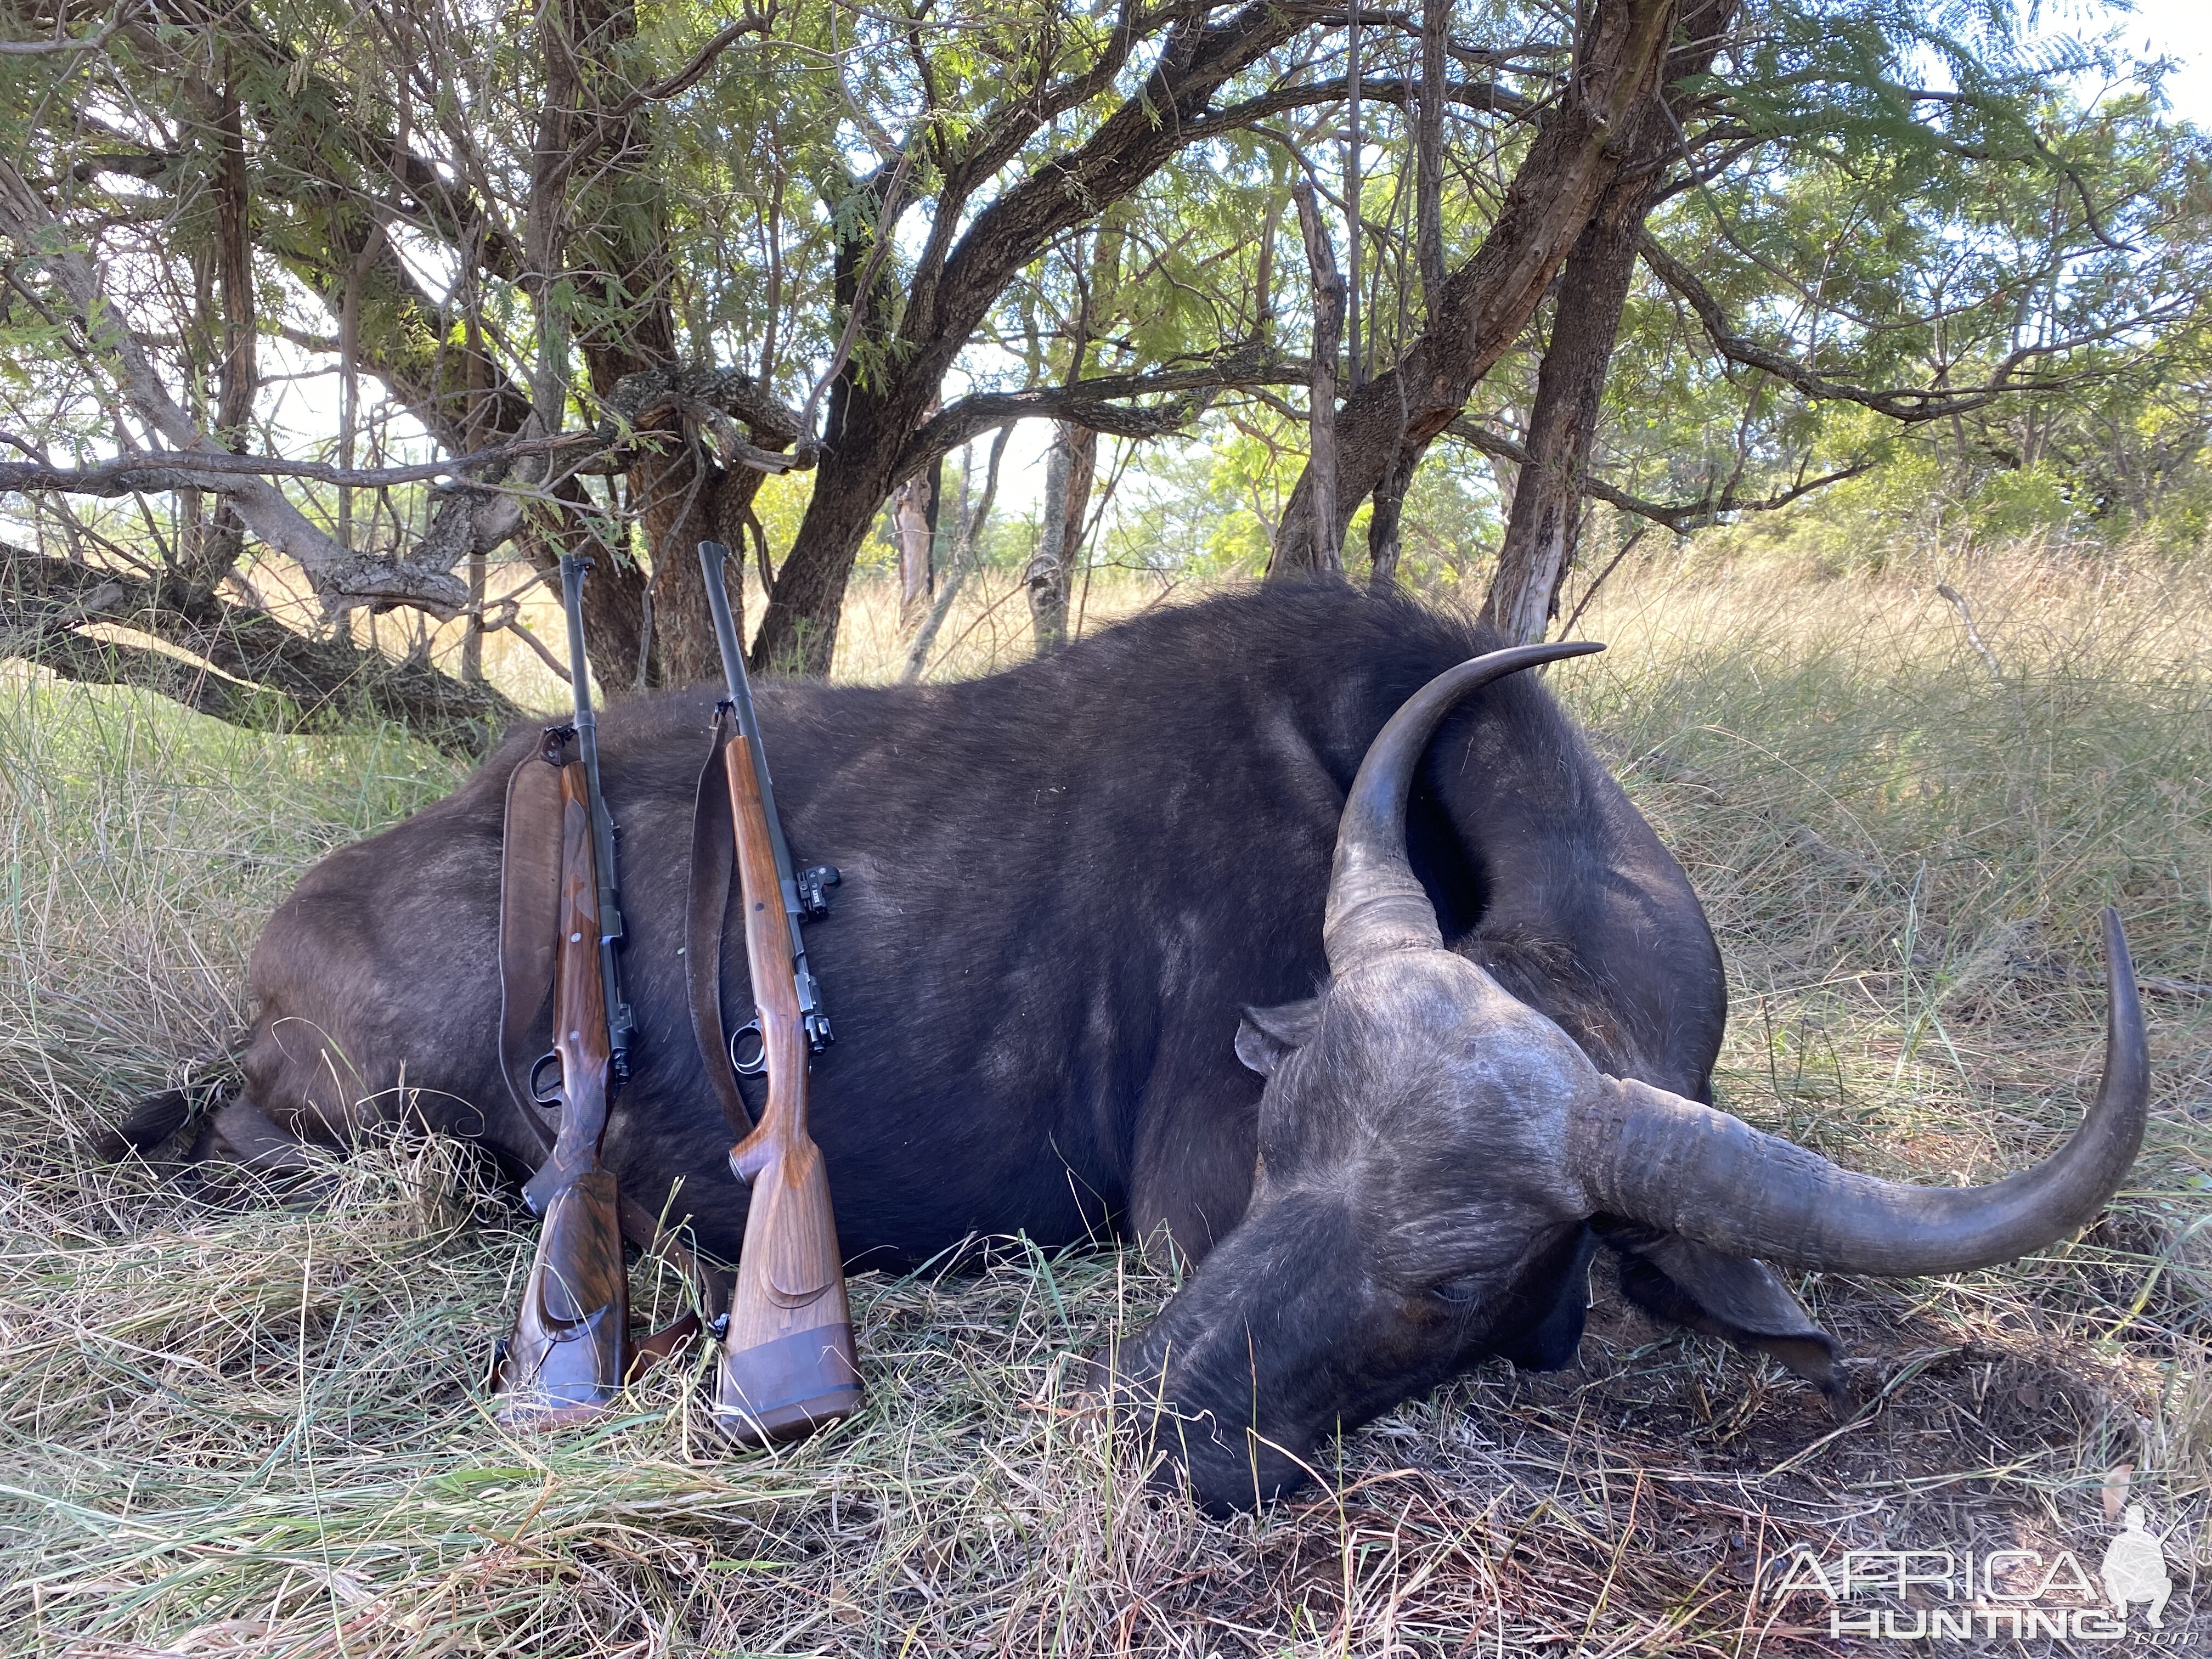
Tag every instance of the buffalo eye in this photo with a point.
(1457, 1293)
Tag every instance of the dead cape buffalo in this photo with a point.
(1088, 905)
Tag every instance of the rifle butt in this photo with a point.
(788, 1362)
(570, 1353)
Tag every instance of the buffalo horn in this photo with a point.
(1375, 903)
(1656, 1157)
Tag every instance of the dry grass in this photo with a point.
(233, 1426)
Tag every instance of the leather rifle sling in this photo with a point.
(714, 861)
(528, 940)
(529, 929)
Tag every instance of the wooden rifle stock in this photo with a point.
(787, 1364)
(571, 1350)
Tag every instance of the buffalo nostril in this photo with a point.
(1225, 1480)
(1227, 1467)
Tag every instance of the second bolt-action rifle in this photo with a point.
(788, 1366)
(571, 1350)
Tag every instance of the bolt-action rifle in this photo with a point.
(788, 1366)
(571, 1350)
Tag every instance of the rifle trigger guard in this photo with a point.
(547, 1095)
(756, 1062)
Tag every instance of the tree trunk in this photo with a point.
(1354, 143)
(225, 539)
(1383, 525)
(965, 537)
(799, 629)
(1071, 465)
(912, 508)
(472, 642)
(942, 529)
(1540, 533)
(615, 225)
(1541, 528)
(865, 427)
(1322, 538)
(1429, 152)
(683, 498)
(1486, 303)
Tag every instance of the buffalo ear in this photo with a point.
(1266, 1035)
(1733, 1298)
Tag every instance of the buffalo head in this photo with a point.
(1433, 1152)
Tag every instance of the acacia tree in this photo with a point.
(1914, 256)
(610, 268)
(475, 214)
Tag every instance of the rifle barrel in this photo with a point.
(619, 1022)
(739, 683)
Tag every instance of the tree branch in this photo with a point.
(1907, 405)
(468, 521)
(1486, 304)
(1100, 404)
(1196, 59)
(1680, 517)
(1482, 96)
(62, 42)
(607, 125)
(197, 469)
(749, 23)
(341, 577)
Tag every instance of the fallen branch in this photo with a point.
(251, 671)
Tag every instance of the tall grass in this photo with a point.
(233, 1421)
